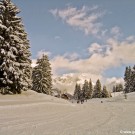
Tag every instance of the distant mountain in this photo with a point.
(67, 82)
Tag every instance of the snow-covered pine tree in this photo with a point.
(77, 92)
(15, 63)
(97, 90)
(127, 79)
(42, 77)
(105, 93)
(90, 89)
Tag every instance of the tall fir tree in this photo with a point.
(77, 92)
(127, 79)
(42, 77)
(97, 90)
(133, 79)
(15, 63)
(90, 89)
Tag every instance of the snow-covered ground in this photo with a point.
(38, 114)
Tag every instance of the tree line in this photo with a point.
(89, 91)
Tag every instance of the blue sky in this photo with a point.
(82, 36)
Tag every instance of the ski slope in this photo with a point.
(36, 114)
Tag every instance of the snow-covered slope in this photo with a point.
(27, 98)
(38, 114)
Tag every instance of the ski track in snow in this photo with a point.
(33, 115)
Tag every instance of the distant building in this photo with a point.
(67, 96)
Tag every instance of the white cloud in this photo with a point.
(114, 80)
(114, 55)
(57, 37)
(130, 38)
(42, 52)
(95, 48)
(85, 19)
(116, 32)
(71, 56)
(123, 52)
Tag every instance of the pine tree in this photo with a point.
(128, 81)
(77, 92)
(97, 90)
(41, 75)
(90, 89)
(15, 63)
(132, 80)
(105, 93)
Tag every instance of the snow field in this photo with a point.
(38, 114)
